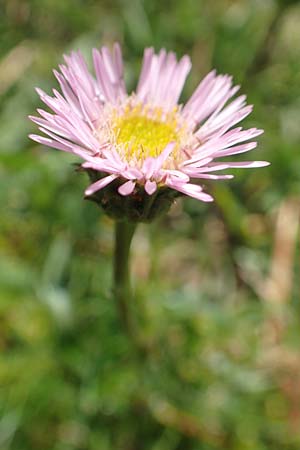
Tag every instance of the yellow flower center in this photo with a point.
(141, 131)
(143, 137)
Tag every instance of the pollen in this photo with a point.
(141, 133)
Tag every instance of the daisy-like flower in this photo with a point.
(146, 142)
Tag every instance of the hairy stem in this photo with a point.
(124, 232)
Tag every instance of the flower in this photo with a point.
(146, 141)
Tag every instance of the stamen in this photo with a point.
(142, 131)
(143, 137)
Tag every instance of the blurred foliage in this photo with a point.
(217, 286)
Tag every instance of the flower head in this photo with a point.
(145, 144)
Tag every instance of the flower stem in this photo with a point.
(124, 232)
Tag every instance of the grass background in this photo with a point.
(217, 286)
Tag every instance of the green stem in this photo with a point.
(124, 232)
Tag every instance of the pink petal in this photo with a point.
(50, 143)
(100, 184)
(162, 77)
(237, 149)
(247, 164)
(178, 175)
(193, 190)
(127, 188)
(150, 187)
(132, 173)
(149, 166)
(165, 153)
(205, 176)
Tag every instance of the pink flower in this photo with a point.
(146, 139)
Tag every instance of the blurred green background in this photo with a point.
(217, 286)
